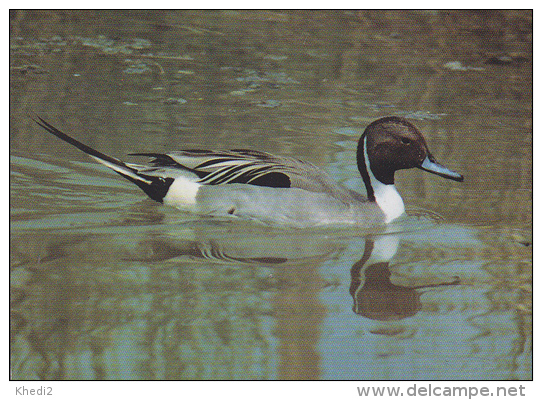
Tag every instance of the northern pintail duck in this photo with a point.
(276, 189)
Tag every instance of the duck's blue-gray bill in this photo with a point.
(436, 168)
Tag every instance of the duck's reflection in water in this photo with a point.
(217, 292)
(374, 295)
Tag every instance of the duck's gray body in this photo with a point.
(258, 185)
(293, 207)
(282, 190)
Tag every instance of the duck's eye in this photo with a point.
(405, 140)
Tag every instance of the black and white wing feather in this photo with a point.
(224, 167)
(247, 167)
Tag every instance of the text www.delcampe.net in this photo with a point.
(438, 390)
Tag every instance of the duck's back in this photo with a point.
(248, 167)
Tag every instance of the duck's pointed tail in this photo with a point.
(154, 186)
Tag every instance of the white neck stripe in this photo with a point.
(387, 197)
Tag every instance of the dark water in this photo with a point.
(106, 284)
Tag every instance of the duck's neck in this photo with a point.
(385, 195)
